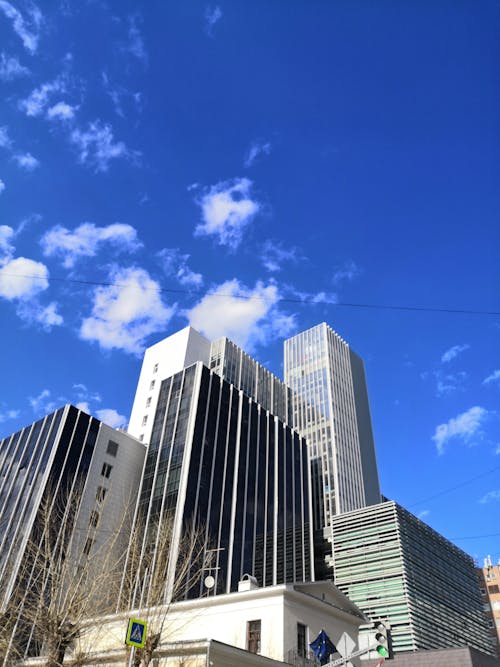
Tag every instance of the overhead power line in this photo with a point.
(455, 487)
(312, 301)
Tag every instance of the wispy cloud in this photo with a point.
(274, 255)
(43, 403)
(61, 111)
(448, 383)
(5, 415)
(27, 29)
(2, 186)
(26, 161)
(39, 98)
(5, 141)
(464, 427)
(310, 297)
(118, 94)
(175, 263)
(490, 496)
(423, 514)
(453, 352)
(227, 208)
(127, 312)
(212, 16)
(135, 43)
(97, 147)
(346, 272)
(493, 378)
(11, 68)
(86, 239)
(256, 149)
(46, 316)
(249, 316)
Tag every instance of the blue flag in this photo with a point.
(323, 647)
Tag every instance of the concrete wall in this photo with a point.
(453, 657)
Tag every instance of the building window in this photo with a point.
(301, 639)
(94, 519)
(253, 636)
(483, 591)
(144, 420)
(155, 368)
(106, 470)
(152, 385)
(148, 402)
(100, 494)
(88, 546)
(493, 589)
(112, 448)
(141, 437)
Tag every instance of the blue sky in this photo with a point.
(251, 168)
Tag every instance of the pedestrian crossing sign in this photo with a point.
(136, 633)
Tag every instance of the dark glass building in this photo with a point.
(219, 459)
(66, 461)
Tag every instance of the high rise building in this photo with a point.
(66, 462)
(331, 410)
(489, 582)
(220, 459)
(397, 569)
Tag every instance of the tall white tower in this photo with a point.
(330, 408)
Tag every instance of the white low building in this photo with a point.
(257, 626)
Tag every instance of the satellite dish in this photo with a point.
(209, 582)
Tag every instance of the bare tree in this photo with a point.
(70, 571)
(148, 584)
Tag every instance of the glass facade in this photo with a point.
(220, 459)
(330, 409)
(240, 369)
(398, 569)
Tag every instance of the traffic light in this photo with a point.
(382, 639)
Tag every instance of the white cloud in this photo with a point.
(135, 45)
(85, 240)
(311, 297)
(11, 68)
(26, 161)
(447, 383)
(36, 103)
(42, 404)
(6, 236)
(9, 414)
(26, 30)
(247, 316)
(492, 378)
(226, 209)
(175, 264)
(22, 278)
(347, 271)
(423, 514)
(275, 254)
(61, 111)
(2, 186)
(97, 147)
(453, 352)
(212, 16)
(5, 141)
(462, 427)
(127, 312)
(256, 149)
(33, 312)
(83, 394)
(111, 417)
(491, 495)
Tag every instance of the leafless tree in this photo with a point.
(148, 582)
(70, 571)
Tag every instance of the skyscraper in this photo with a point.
(330, 409)
(219, 458)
